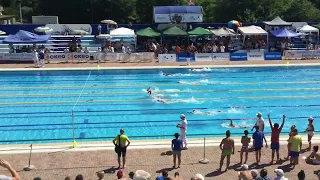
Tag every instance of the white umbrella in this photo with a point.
(2, 33)
(80, 32)
(43, 29)
(109, 22)
(104, 36)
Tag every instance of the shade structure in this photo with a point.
(284, 33)
(252, 30)
(26, 37)
(148, 32)
(223, 32)
(234, 23)
(108, 22)
(80, 32)
(43, 29)
(277, 21)
(175, 31)
(200, 31)
(308, 29)
(2, 33)
(104, 36)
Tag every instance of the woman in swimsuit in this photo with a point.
(310, 131)
(290, 135)
(245, 141)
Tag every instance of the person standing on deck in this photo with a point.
(227, 148)
(275, 134)
(259, 123)
(183, 130)
(310, 131)
(121, 142)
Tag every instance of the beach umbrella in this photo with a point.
(2, 33)
(234, 23)
(80, 32)
(104, 36)
(43, 29)
(109, 22)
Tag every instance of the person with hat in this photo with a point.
(141, 175)
(246, 173)
(310, 131)
(279, 174)
(183, 130)
(259, 123)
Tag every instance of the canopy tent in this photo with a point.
(122, 32)
(26, 37)
(148, 32)
(175, 31)
(277, 21)
(252, 30)
(199, 31)
(298, 25)
(284, 33)
(308, 29)
(223, 32)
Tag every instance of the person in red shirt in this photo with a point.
(275, 134)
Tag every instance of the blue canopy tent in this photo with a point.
(285, 33)
(26, 37)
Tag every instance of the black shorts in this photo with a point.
(122, 151)
(257, 148)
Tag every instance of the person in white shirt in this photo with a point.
(183, 130)
(214, 48)
(66, 50)
(99, 29)
(280, 175)
(111, 49)
(222, 48)
(123, 48)
(36, 59)
(260, 122)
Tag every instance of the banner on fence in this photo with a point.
(221, 56)
(182, 57)
(255, 56)
(203, 57)
(167, 57)
(272, 56)
(58, 56)
(238, 57)
(79, 56)
(17, 57)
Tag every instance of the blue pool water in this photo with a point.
(37, 105)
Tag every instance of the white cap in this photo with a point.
(310, 119)
(254, 173)
(259, 114)
(244, 166)
(182, 116)
(279, 172)
(199, 177)
(141, 175)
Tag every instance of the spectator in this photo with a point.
(79, 177)
(67, 178)
(245, 174)
(301, 175)
(99, 29)
(222, 48)
(227, 148)
(177, 176)
(100, 175)
(245, 141)
(121, 143)
(14, 174)
(275, 134)
(310, 131)
(259, 123)
(258, 138)
(141, 175)
(279, 174)
(123, 49)
(164, 176)
(254, 173)
(263, 175)
(295, 144)
(37, 178)
(198, 177)
(120, 175)
(183, 130)
(176, 146)
(314, 157)
(131, 175)
(178, 49)
(290, 135)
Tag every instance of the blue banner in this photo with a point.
(182, 57)
(272, 56)
(238, 57)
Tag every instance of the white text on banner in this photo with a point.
(255, 56)
(167, 57)
(17, 57)
(220, 56)
(203, 57)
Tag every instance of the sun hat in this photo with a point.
(310, 119)
(199, 177)
(244, 166)
(279, 172)
(182, 116)
(259, 114)
(141, 175)
(254, 173)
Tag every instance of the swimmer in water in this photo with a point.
(149, 91)
(162, 101)
(238, 126)
(167, 74)
(203, 113)
(231, 123)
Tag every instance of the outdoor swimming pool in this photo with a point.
(37, 105)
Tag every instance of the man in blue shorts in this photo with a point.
(258, 138)
(295, 144)
(275, 134)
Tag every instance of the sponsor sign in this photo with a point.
(57, 56)
(238, 57)
(221, 56)
(79, 56)
(203, 57)
(17, 57)
(183, 18)
(182, 57)
(292, 54)
(167, 57)
(272, 56)
(255, 56)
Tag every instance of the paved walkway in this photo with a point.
(58, 165)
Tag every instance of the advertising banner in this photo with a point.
(221, 56)
(79, 56)
(255, 56)
(203, 57)
(58, 56)
(167, 57)
(238, 57)
(17, 57)
(182, 57)
(272, 56)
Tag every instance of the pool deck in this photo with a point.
(151, 65)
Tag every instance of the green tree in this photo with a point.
(302, 10)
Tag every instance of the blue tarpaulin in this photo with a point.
(26, 37)
(284, 33)
(178, 10)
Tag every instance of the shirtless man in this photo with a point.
(245, 174)
(314, 157)
(245, 141)
(149, 91)
(162, 101)
(227, 148)
(167, 74)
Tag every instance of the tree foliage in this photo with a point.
(141, 11)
